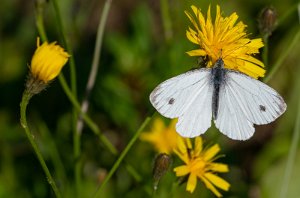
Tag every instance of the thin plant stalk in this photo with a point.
(95, 63)
(67, 46)
(122, 156)
(53, 151)
(287, 51)
(296, 132)
(288, 13)
(76, 136)
(291, 157)
(94, 128)
(40, 21)
(85, 117)
(265, 52)
(25, 100)
(283, 56)
(89, 87)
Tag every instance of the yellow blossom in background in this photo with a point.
(163, 138)
(199, 165)
(225, 38)
(47, 61)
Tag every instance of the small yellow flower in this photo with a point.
(227, 39)
(199, 165)
(163, 138)
(47, 61)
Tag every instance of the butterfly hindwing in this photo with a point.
(230, 120)
(197, 118)
(245, 101)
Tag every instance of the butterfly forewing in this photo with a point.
(172, 97)
(260, 103)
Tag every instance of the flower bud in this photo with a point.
(47, 61)
(267, 20)
(46, 64)
(161, 165)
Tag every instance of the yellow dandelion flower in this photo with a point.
(224, 38)
(199, 165)
(163, 138)
(47, 61)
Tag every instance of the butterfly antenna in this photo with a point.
(220, 56)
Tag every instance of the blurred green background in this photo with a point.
(142, 46)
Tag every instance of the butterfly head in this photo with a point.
(219, 63)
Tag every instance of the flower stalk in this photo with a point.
(23, 106)
(89, 87)
(46, 63)
(122, 156)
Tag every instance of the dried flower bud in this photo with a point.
(267, 20)
(161, 165)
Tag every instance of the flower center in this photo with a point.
(197, 165)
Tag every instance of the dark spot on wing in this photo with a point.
(171, 101)
(282, 105)
(262, 108)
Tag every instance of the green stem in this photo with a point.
(89, 87)
(25, 100)
(175, 185)
(77, 159)
(265, 50)
(283, 56)
(76, 135)
(121, 157)
(95, 64)
(288, 13)
(67, 46)
(40, 21)
(94, 127)
(292, 156)
(52, 149)
(87, 120)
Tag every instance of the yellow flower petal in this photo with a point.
(163, 138)
(211, 187)
(211, 152)
(198, 145)
(224, 38)
(181, 170)
(197, 52)
(181, 150)
(191, 183)
(158, 125)
(217, 181)
(198, 164)
(47, 61)
(218, 167)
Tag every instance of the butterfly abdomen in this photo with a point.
(218, 74)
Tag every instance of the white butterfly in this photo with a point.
(234, 100)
